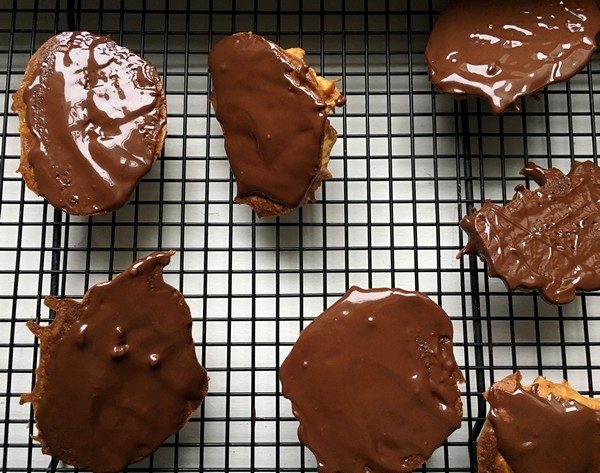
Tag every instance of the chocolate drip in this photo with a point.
(547, 239)
(545, 434)
(118, 371)
(273, 119)
(373, 382)
(95, 111)
(503, 50)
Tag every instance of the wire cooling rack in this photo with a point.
(408, 164)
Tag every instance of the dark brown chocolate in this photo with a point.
(272, 117)
(373, 382)
(96, 112)
(504, 50)
(544, 434)
(546, 239)
(118, 372)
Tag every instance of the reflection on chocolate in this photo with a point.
(118, 372)
(95, 114)
(547, 239)
(504, 50)
(544, 433)
(373, 382)
(272, 116)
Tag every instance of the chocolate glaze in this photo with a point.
(373, 382)
(272, 117)
(545, 434)
(118, 372)
(546, 239)
(503, 50)
(96, 111)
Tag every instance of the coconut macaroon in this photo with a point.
(92, 119)
(118, 372)
(373, 382)
(273, 110)
(544, 238)
(545, 427)
(503, 51)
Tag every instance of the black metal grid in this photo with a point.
(408, 164)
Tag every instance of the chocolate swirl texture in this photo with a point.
(274, 118)
(545, 239)
(504, 50)
(118, 372)
(373, 382)
(92, 122)
(544, 427)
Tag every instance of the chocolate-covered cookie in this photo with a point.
(545, 239)
(545, 427)
(118, 372)
(373, 382)
(92, 118)
(273, 111)
(504, 50)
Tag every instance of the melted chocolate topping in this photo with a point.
(272, 117)
(118, 372)
(549, 435)
(373, 382)
(546, 239)
(95, 111)
(503, 50)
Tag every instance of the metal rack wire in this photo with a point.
(408, 164)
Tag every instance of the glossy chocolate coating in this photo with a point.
(118, 372)
(546, 239)
(272, 117)
(544, 434)
(96, 111)
(503, 50)
(373, 382)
